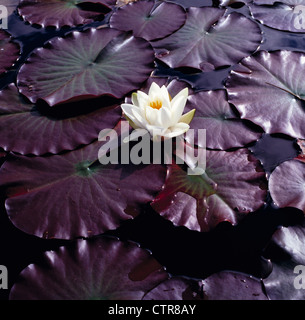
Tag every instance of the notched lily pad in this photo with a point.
(286, 281)
(233, 184)
(206, 31)
(100, 269)
(148, 20)
(268, 89)
(86, 64)
(228, 285)
(281, 15)
(72, 195)
(9, 51)
(177, 288)
(60, 13)
(225, 3)
(223, 285)
(28, 129)
(224, 129)
(287, 184)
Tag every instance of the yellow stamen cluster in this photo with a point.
(157, 104)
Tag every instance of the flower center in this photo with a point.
(157, 104)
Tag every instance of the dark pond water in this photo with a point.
(182, 251)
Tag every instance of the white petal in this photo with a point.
(178, 106)
(183, 93)
(154, 91)
(180, 126)
(165, 97)
(139, 120)
(151, 115)
(128, 114)
(177, 130)
(143, 99)
(127, 109)
(164, 117)
(155, 132)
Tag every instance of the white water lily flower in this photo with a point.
(157, 113)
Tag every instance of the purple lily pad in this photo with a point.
(206, 31)
(286, 281)
(268, 89)
(232, 186)
(100, 269)
(280, 15)
(21, 123)
(224, 285)
(62, 13)
(72, 195)
(227, 285)
(147, 20)
(224, 130)
(225, 3)
(192, 3)
(176, 288)
(287, 184)
(86, 64)
(9, 51)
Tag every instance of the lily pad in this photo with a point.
(9, 51)
(86, 64)
(209, 37)
(225, 3)
(176, 288)
(233, 185)
(286, 282)
(148, 20)
(72, 195)
(223, 285)
(227, 285)
(60, 13)
(21, 123)
(282, 15)
(268, 89)
(100, 269)
(224, 129)
(287, 184)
